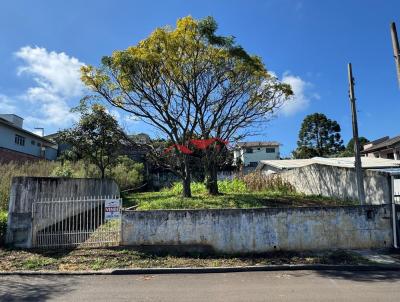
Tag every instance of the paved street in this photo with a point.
(255, 286)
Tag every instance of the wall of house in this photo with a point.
(25, 190)
(260, 230)
(7, 140)
(339, 182)
(256, 156)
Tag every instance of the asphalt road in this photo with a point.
(253, 286)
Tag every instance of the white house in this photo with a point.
(250, 153)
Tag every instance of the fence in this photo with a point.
(76, 222)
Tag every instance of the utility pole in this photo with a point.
(396, 49)
(357, 162)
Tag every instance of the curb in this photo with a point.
(207, 270)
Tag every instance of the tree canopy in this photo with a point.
(349, 151)
(189, 83)
(318, 136)
(97, 137)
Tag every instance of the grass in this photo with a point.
(3, 226)
(234, 194)
(109, 258)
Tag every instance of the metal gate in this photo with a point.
(76, 222)
(395, 180)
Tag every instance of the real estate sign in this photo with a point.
(112, 209)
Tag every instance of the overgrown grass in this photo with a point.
(3, 227)
(234, 194)
(109, 258)
(127, 173)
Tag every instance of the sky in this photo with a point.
(306, 43)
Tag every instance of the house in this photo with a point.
(249, 154)
(18, 144)
(384, 147)
(335, 177)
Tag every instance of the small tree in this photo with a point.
(96, 138)
(318, 136)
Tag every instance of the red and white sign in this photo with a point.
(112, 209)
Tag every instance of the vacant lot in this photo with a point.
(234, 194)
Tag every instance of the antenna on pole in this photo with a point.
(396, 49)
(357, 162)
(40, 128)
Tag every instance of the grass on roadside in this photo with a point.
(234, 194)
(109, 258)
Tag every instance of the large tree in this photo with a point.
(96, 137)
(318, 136)
(189, 83)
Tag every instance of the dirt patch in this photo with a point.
(109, 258)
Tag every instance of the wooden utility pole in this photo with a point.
(357, 149)
(396, 49)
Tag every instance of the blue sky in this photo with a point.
(305, 43)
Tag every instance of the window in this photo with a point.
(270, 150)
(249, 150)
(19, 140)
(32, 142)
(253, 164)
(38, 144)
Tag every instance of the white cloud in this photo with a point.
(302, 97)
(57, 83)
(6, 105)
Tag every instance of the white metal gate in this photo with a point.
(73, 222)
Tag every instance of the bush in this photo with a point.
(127, 173)
(259, 182)
(63, 171)
(3, 227)
(224, 186)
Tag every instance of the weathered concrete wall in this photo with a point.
(339, 182)
(25, 190)
(261, 230)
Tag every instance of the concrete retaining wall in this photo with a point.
(339, 182)
(261, 230)
(25, 190)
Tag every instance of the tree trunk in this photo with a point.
(103, 173)
(211, 179)
(187, 192)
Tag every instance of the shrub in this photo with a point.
(127, 173)
(63, 171)
(224, 186)
(177, 188)
(259, 182)
(3, 227)
(232, 186)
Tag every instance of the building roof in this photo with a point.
(344, 162)
(257, 144)
(11, 125)
(383, 145)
